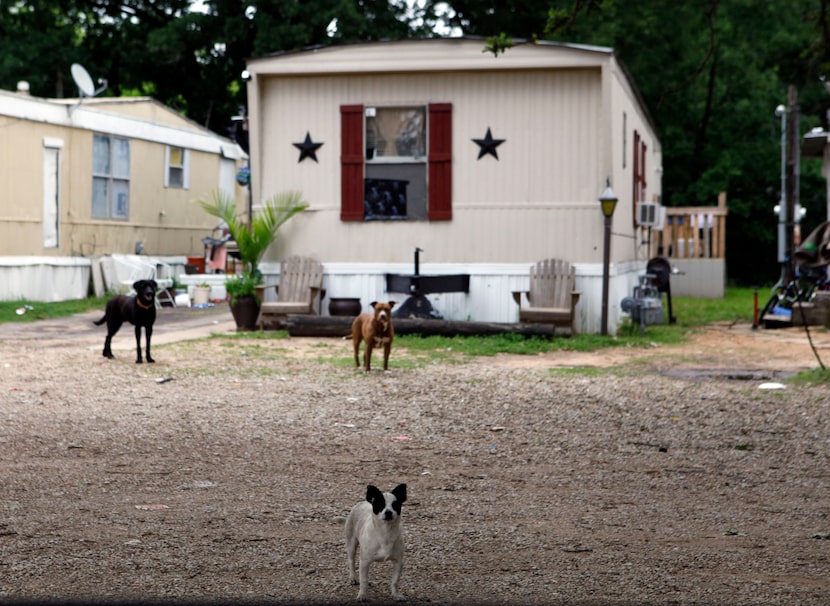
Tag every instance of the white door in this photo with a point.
(51, 192)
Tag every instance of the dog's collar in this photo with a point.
(142, 305)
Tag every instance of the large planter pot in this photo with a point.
(245, 311)
(344, 306)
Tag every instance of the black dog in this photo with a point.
(139, 310)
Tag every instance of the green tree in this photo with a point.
(37, 44)
(190, 61)
(711, 74)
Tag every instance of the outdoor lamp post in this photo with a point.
(608, 202)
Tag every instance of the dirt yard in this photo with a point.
(669, 475)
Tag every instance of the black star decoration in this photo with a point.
(308, 149)
(488, 145)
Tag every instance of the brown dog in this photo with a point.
(376, 329)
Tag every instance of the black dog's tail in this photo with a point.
(101, 321)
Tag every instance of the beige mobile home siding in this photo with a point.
(624, 103)
(504, 211)
(166, 220)
(21, 184)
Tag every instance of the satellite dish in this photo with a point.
(86, 87)
(84, 81)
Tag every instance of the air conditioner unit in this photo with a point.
(650, 214)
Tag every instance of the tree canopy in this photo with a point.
(711, 72)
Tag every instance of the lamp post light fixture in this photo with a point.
(608, 202)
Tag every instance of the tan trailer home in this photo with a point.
(487, 164)
(84, 179)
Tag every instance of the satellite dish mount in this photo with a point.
(86, 87)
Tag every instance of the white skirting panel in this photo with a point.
(44, 279)
(50, 279)
(215, 281)
(53, 279)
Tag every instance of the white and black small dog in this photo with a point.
(375, 524)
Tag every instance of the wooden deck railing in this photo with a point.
(693, 232)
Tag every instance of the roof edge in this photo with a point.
(389, 41)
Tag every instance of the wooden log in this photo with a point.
(317, 326)
(334, 326)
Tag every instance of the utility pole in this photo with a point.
(791, 197)
(781, 207)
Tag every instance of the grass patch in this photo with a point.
(691, 313)
(36, 310)
(517, 344)
(472, 346)
(816, 376)
(415, 358)
(254, 335)
(735, 306)
(580, 371)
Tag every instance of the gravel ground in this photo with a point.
(642, 476)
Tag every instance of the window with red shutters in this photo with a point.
(642, 171)
(372, 167)
(639, 178)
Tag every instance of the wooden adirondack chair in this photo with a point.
(300, 291)
(551, 298)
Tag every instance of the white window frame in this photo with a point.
(185, 168)
(116, 185)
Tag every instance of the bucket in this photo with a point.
(201, 295)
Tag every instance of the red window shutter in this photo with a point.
(635, 195)
(440, 162)
(351, 163)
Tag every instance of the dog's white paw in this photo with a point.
(399, 597)
(362, 597)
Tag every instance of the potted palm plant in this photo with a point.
(252, 240)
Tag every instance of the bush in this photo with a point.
(242, 285)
